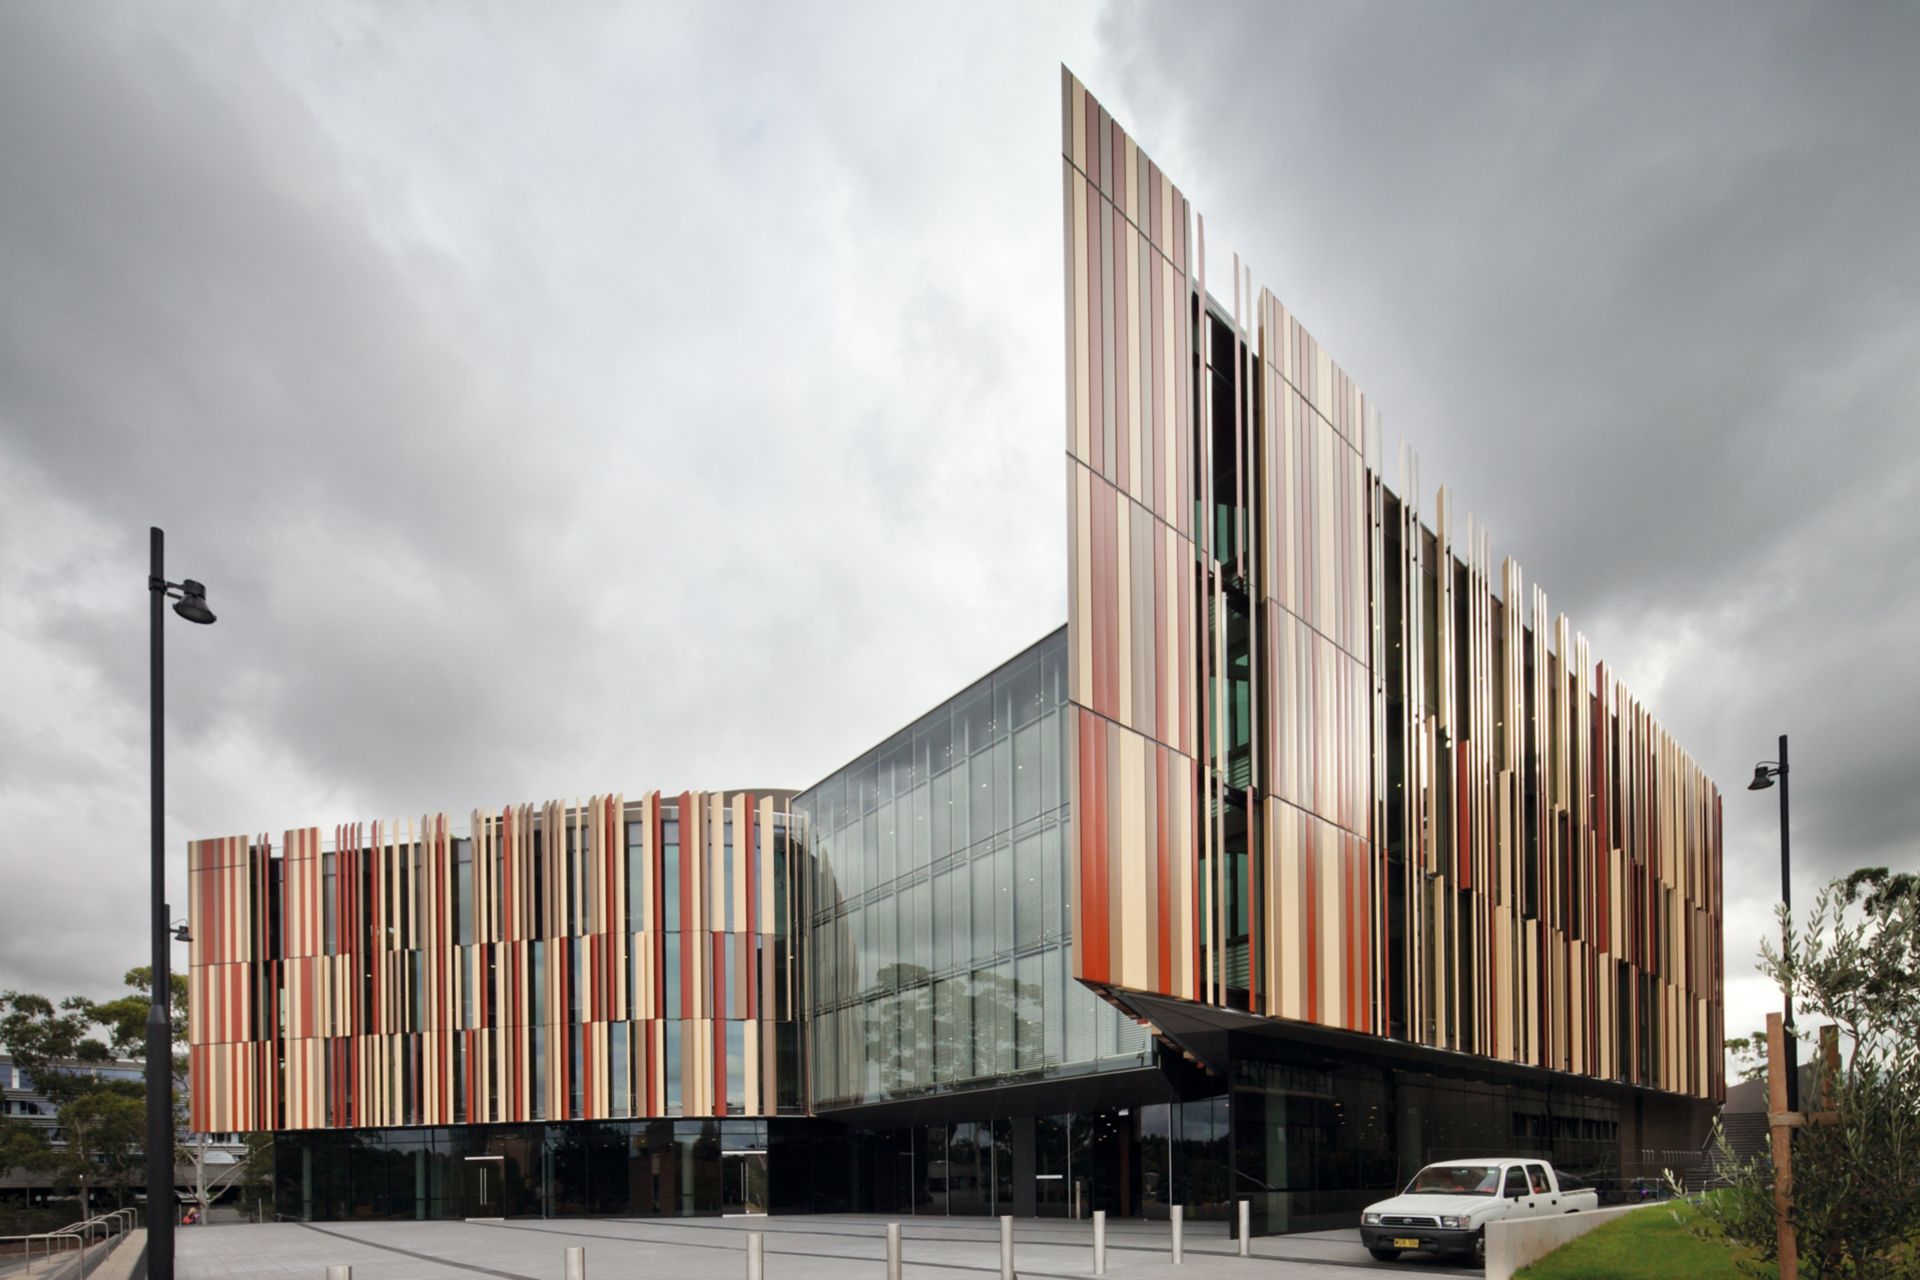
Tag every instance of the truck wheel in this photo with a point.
(1480, 1247)
(1383, 1254)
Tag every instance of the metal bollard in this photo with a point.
(756, 1255)
(893, 1251)
(1099, 1242)
(1246, 1217)
(576, 1262)
(339, 1273)
(1178, 1214)
(1006, 1247)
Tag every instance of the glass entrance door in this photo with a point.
(743, 1182)
(484, 1193)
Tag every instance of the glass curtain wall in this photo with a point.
(638, 1168)
(938, 902)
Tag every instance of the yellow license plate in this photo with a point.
(1405, 1242)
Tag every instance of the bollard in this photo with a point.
(576, 1262)
(893, 1251)
(1006, 1247)
(339, 1273)
(756, 1255)
(1099, 1242)
(1246, 1214)
(1178, 1214)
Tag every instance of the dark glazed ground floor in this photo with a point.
(1307, 1134)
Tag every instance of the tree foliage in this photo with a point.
(124, 1019)
(1855, 964)
(48, 1041)
(1749, 1054)
(22, 1146)
(102, 1122)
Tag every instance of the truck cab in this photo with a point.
(1446, 1207)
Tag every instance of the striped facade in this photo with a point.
(589, 961)
(1331, 765)
(1134, 599)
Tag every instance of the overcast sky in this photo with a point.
(560, 399)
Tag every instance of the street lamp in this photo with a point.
(1764, 775)
(190, 599)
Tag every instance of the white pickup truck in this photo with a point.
(1447, 1206)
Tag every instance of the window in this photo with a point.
(670, 875)
(330, 897)
(463, 891)
(537, 1064)
(726, 861)
(736, 1068)
(1516, 1181)
(637, 877)
(619, 1044)
(671, 1073)
(983, 907)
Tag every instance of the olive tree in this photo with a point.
(1854, 964)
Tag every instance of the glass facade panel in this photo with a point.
(938, 874)
(736, 1068)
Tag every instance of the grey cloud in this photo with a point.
(603, 399)
(1638, 282)
(552, 403)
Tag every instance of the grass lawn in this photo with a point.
(1646, 1245)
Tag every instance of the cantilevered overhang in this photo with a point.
(1209, 1036)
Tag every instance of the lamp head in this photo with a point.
(1762, 778)
(192, 604)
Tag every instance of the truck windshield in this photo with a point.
(1456, 1180)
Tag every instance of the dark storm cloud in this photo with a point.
(1639, 283)
(585, 400)
(540, 395)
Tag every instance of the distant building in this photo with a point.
(1312, 848)
(22, 1100)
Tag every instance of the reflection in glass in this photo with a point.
(987, 921)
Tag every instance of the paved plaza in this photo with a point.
(797, 1248)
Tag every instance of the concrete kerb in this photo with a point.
(1512, 1245)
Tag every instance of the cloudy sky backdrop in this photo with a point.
(572, 398)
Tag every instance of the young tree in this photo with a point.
(105, 1130)
(1856, 1181)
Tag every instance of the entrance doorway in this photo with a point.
(743, 1183)
(484, 1195)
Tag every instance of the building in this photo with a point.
(1312, 848)
(215, 1157)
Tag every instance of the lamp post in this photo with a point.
(190, 603)
(1764, 775)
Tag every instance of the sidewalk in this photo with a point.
(824, 1247)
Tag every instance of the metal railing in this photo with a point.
(47, 1241)
(84, 1235)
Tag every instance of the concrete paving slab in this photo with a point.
(815, 1247)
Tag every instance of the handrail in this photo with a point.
(109, 1224)
(113, 1222)
(49, 1237)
